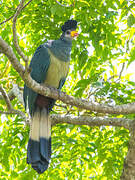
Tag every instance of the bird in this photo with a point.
(49, 66)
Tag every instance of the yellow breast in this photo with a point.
(56, 71)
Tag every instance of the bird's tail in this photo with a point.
(39, 145)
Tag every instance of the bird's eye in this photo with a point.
(67, 32)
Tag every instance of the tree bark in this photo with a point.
(129, 163)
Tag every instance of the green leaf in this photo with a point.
(131, 20)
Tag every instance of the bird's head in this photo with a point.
(69, 30)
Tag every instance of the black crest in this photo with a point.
(70, 24)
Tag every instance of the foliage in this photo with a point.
(99, 72)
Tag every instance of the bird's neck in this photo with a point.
(61, 48)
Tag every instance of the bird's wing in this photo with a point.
(39, 65)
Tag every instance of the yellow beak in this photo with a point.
(74, 33)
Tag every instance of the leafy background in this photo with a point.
(100, 71)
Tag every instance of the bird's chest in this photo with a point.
(56, 71)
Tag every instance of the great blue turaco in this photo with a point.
(49, 65)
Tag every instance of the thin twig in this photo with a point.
(10, 95)
(7, 20)
(122, 69)
(5, 70)
(112, 77)
(10, 108)
(20, 113)
(15, 35)
(6, 98)
(13, 15)
(26, 4)
(15, 112)
(12, 9)
(15, 92)
(7, 112)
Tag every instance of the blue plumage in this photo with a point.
(49, 65)
(39, 66)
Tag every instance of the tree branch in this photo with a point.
(13, 15)
(53, 93)
(15, 112)
(7, 20)
(9, 106)
(26, 4)
(122, 69)
(129, 163)
(6, 98)
(78, 102)
(7, 50)
(91, 121)
(17, 93)
(10, 95)
(81, 120)
(7, 112)
(15, 35)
